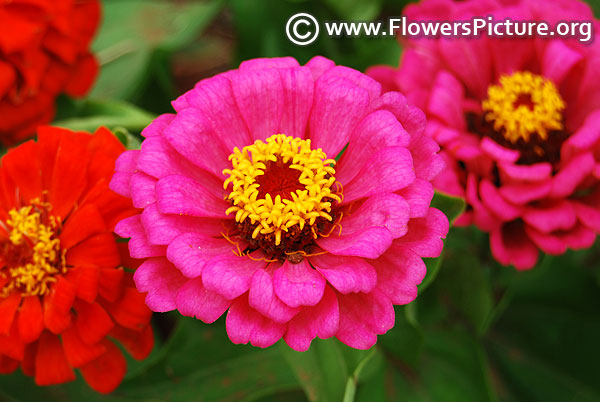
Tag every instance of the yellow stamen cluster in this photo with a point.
(43, 258)
(516, 120)
(278, 215)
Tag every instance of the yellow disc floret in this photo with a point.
(522, 105)
(33, 256)
(280, 183)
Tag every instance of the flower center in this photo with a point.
(31, 253)
(282, 194)
(523, 105)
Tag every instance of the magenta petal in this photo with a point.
(259, 95)
(161, 280)
(321, 320)
(584, 138)
(273, 62)
(191, 251)
(558, 60)
(399, 271)
(157, 126)
(330, 129)
(513, 246)
(470, 60)
(411, 117)
(346, 274)
(319, 65)
(139, 247)
(418, 194)
(182, 195)
(363, 316)
(193, 300)
(230, 275)
(369, 243)
(214, 98)
(498, 152)
(298, 284)
(425, 235)
(493, 201)
(388, 170)
(535, 172)
(554, 216)
(263, 299)
(245, 324)
(192, 136)
(446, 100)
(144, 189)
(377, 131)
(389, 210)
(588, 215)
(570, 176)
(358, 78)
(162, 228)
(125, 165)
(523, 192)
(579, 238)
(426, 160)
(547, 242)
(298, 89)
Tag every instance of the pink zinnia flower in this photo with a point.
(517, 120)
(245, 209)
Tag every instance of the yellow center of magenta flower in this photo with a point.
(522, 105)
(31, 253)
(280, 186)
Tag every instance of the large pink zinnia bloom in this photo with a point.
(530, 188)
(208, 251)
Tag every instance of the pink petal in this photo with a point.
(510, 245)
(298, 284)
(470, 61)
(418, 195)
(570, 176)
(547, 242)
(363, 316)
(190, 252)
(357, 78)
(157, 126)
(321, 320)
(535, 172)
(385, 75)
(182, 195)
(161, 280)
(162, 228)
(411, 117)
(143, 186)
(385, 210)
(425, 235)
(377, 131)
(346, 274)
(125, 165)
(399, 271)
(368, 243)
(230, 275)
(426, 160)
(588, 215)
(274, 62)
(298, 88)
(319, 65)
(192, 136)
(492, 199)
(245, 324)
(214, 99)
(194, 300)
(139, 247)
(523, 192)
(551, 216)
(263, 299)
(259, 95)
(584, 138)
(579, 238)
(330, 129)
(388, 170)
(446, 99)
(498, 152)
(558, 60)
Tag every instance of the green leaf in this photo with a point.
(356, 10)
(132, 30)
(405, 340)
(453, 207)
(92, 114)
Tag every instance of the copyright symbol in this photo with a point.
(302, 29)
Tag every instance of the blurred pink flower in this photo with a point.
(518, 122)
(244, 209)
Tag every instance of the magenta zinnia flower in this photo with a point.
(518, 122)
(246, 210)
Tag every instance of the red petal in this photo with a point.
(112, 206)
(87, 280)
(99, 250)
(51, 366)
(111, 283)
(57, 306)
(7, 78)
(93, 322)
(22, 164)
(82, 76)
(78, 352)
(131, 310)
(8, 365)
(83, 223)
(105, 373)
(138, 344)
(28, 363)
(31, 319)
(12, 345)
(8, 308)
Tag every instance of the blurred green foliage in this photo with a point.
(477, 331)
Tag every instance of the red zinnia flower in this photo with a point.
(44, 51)
(62, 288)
